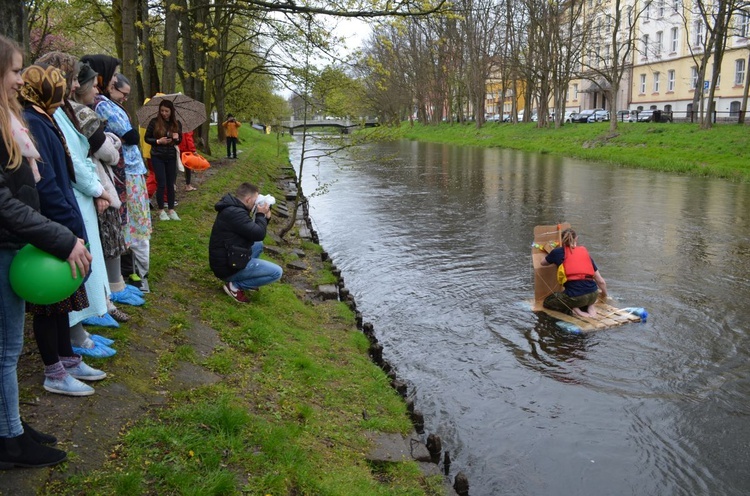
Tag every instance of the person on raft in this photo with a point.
(582, 281)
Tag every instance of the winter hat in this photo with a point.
(86, 74)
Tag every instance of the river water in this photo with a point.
(434, 243)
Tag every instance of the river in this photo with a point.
(434, 243)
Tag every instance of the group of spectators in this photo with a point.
(73, 183)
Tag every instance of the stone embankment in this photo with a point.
(387, 448)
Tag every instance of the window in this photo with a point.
(645, 45)
(675, 38)
(606, 54)
(599, 27)
(661, 8)
(657, 45)
(739, 72)
(676, 5)
(743, 24)
(734, 109)
(643, 83)
(693, 77)
(647, 11)
(575, 91)
(656, 82)
(670, 80)
(698, 33)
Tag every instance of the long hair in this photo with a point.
(568, 237)
(162, 127)
(8, 103)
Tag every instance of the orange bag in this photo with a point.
(193, 161)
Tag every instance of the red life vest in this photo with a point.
(577, 264)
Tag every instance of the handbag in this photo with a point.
(180, 167)
(237, 256)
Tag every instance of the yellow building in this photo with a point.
(497, 103)
(665, 64)
(662, 70)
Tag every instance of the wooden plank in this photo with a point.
(603, 320)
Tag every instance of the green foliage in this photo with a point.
(337, 94)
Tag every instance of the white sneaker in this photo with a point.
(173, 215)
(69, 386)
(163, 215)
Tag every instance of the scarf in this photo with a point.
(28, 150)
(44, 91)
(44, 87)
(105, 66)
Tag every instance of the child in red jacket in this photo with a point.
(187, 145)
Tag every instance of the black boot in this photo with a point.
(37, 436)
(23, 451)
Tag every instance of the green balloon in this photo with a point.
(41, 278)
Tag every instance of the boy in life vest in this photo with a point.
(582, 280)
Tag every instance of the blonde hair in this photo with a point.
(8, 103)
(568, 237)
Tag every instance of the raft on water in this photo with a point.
(547, 238)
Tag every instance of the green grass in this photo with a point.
(723, 151)
(286, 416)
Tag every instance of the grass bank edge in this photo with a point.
(722, 151)
(287, 415)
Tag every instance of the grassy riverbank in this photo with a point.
(723, 151)
(275, 394)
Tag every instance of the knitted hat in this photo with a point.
(86, 74)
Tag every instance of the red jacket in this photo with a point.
(577, 263)
(187, 144)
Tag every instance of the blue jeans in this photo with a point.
(257, 272)
(12, 310)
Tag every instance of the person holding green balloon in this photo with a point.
(21, 223)
(42, 95)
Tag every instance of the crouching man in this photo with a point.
(237, 242)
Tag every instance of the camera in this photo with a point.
(265, 200)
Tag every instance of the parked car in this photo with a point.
(584, 115)
(644, 116)
(569, 116)
(599, 116)
(623, 115)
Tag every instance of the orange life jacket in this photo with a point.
(577, 264)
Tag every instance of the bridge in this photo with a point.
(345, 125)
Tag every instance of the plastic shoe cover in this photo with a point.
(132, 289)
(105, 320)
(85, 373)
(69, 386)
(101, 340)
(98, 351)
(127, 298)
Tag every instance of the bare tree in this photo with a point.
(610, 47)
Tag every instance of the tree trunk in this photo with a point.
(743, 109)
(169, 68)
(12, 20)
(130, 51)
(118, 26)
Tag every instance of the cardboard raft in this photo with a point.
(545, 283)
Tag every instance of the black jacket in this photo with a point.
(233, 227)
(20, 223)
(164, 152)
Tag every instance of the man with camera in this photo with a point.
(237, 241)
(231, 126)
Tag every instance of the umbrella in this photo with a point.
(191, 113)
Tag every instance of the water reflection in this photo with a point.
(434, 243)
